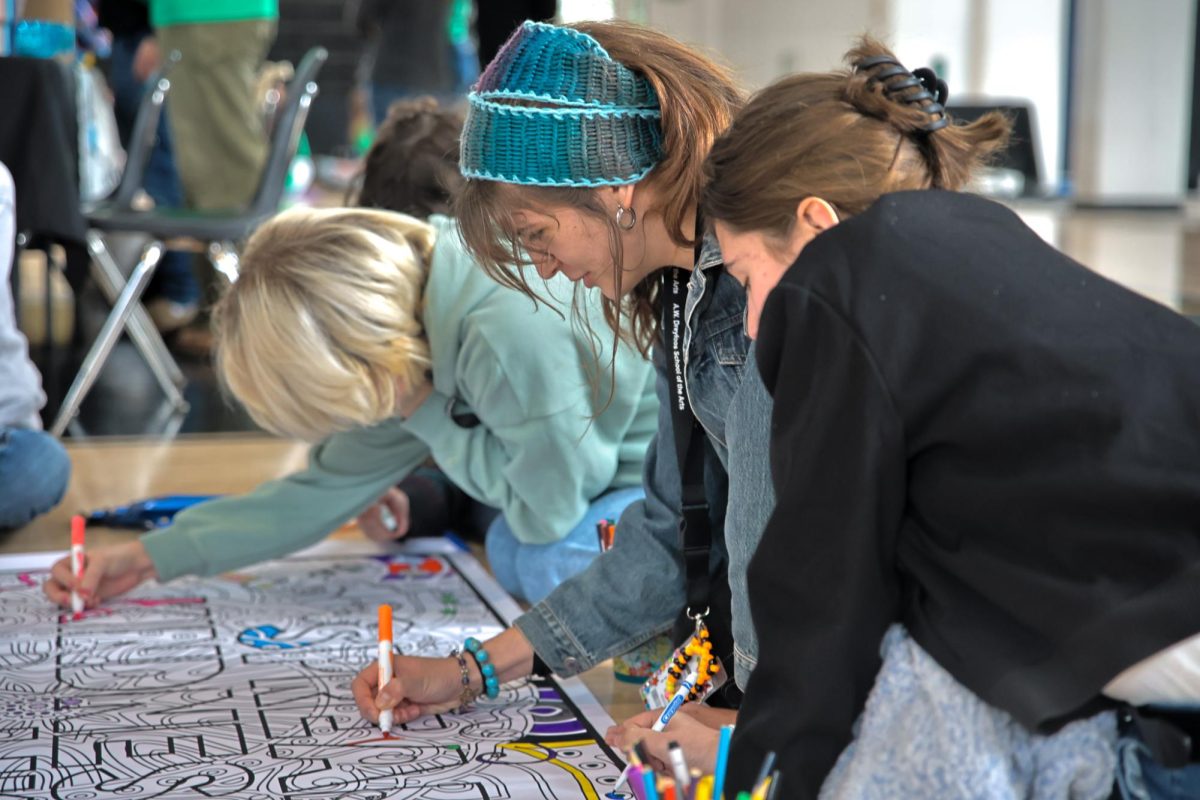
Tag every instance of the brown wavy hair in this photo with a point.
(846, 137)
(412, 167)
(698, 99)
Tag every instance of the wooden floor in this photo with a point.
(113, 472)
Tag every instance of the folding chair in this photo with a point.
(216, 232)
(104, 269)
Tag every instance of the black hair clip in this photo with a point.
(933, 84)
(933, 88)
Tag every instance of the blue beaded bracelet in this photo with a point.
(491, 684)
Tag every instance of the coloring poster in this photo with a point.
(239, 687)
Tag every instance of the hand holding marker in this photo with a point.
(681, 694)
(385, 663)
(78, 526)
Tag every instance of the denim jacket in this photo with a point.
(637, 588)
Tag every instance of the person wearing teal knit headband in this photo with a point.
(582, 152)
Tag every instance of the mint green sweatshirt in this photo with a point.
(537, 455)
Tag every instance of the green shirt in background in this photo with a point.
(191, 12)
(459, 26)
(540, 453)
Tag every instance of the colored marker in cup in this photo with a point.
(78, 526)
(650, 785)
(679, 766)
(385, 663)
(723, 743)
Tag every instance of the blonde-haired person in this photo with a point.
(973, 437)
(583, 151)
(323, 330)
(376, 336)
(412, 168)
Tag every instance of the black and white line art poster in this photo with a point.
(239, 687)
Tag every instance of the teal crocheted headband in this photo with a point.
(554, 109)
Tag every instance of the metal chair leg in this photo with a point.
(20, 241)
(108, 336)
(141, 328)
(111, 279)
(166, 421)
(77, 431)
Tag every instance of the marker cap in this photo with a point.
(385, 623)
(78, 525)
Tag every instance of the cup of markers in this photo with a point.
(682, 783)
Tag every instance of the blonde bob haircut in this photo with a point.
(323, 329)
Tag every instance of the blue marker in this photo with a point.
(680, 697)
(722, 760)
(456, 540)
(767, 765)
(650, 785)
(155, 512)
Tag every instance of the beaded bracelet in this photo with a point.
(491, 684)
(468, 694)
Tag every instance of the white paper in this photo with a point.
(239, 687)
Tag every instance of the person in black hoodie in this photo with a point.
(973, 435)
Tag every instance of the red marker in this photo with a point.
(385, 663)
(77, 528)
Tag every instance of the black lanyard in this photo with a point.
(695, 534)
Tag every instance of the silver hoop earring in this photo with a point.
(621, 211)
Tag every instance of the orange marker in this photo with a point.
(77, 528)
(385, 662)
(606, 533)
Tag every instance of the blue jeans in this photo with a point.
(466, 58)
(173, 279)
(531, 571)
(34, 470)
(1141, 777)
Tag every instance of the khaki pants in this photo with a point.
(220, 145)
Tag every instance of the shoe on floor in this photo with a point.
(169, 315)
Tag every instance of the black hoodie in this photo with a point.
(979, 437)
